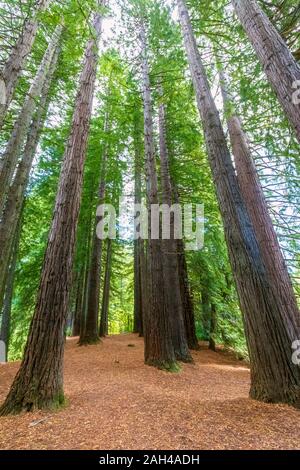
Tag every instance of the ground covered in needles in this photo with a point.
(116, 402)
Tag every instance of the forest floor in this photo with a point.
(116, 402)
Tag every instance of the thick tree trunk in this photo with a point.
(280, 66)
(14, 65)
(106, 291)
(159, 350)
(274, 378)
(16, 192)
(169, 247)
(255, 201)
(91, 333)
(39, 382)
(6, 313)
(21, 127)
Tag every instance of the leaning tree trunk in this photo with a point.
(39, 382)
(159, 350)
(14, 65)
(6, 313)
(256, 204)
(169, 247)
(280, 66)
(274, 378)
(12, 152)
(106, 291)
(91, 331)
(16, 192)
(186, 294)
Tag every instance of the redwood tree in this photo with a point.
(39, 382)
(16, 192)
(278, 62)
(256, 204)
(159, 350)
(16, 61)
(274, 378)
(106, 291)
(169, 246)
(91, 331)
(12, 152)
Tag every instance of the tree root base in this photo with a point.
(289, 396)
(89, 340)
(14, 406)
(172, 367)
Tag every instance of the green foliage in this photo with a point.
(118, 97)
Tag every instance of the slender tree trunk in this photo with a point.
(16, 192)
(138, 290)
(144, 282)
(213, 327)
(91, 334)
(186, 296)
(280, 66)
(6, 313)
(255, 201)
(169, 247)
(21, 127)
(138, 303)
(206, 310)
(159, 350)
(106, 291)
(13, 67)
(274, 378)
(39, 382)
(78, 317)
(86, 277)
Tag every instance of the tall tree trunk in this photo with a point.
(138, 244)
(169, 247)
(39, 382)
(86, 276)
(78, 317)
(91, 332)
(159, 350)
(144, 282)
(206, 310)
(213, 327)
(186, 295)
(106, 291)
(6, 313)
(274, 378)
(280, 66)
(255, 201)
(12, 152)
(14, 65)
(16, 192)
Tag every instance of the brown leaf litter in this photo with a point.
(116, 402)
